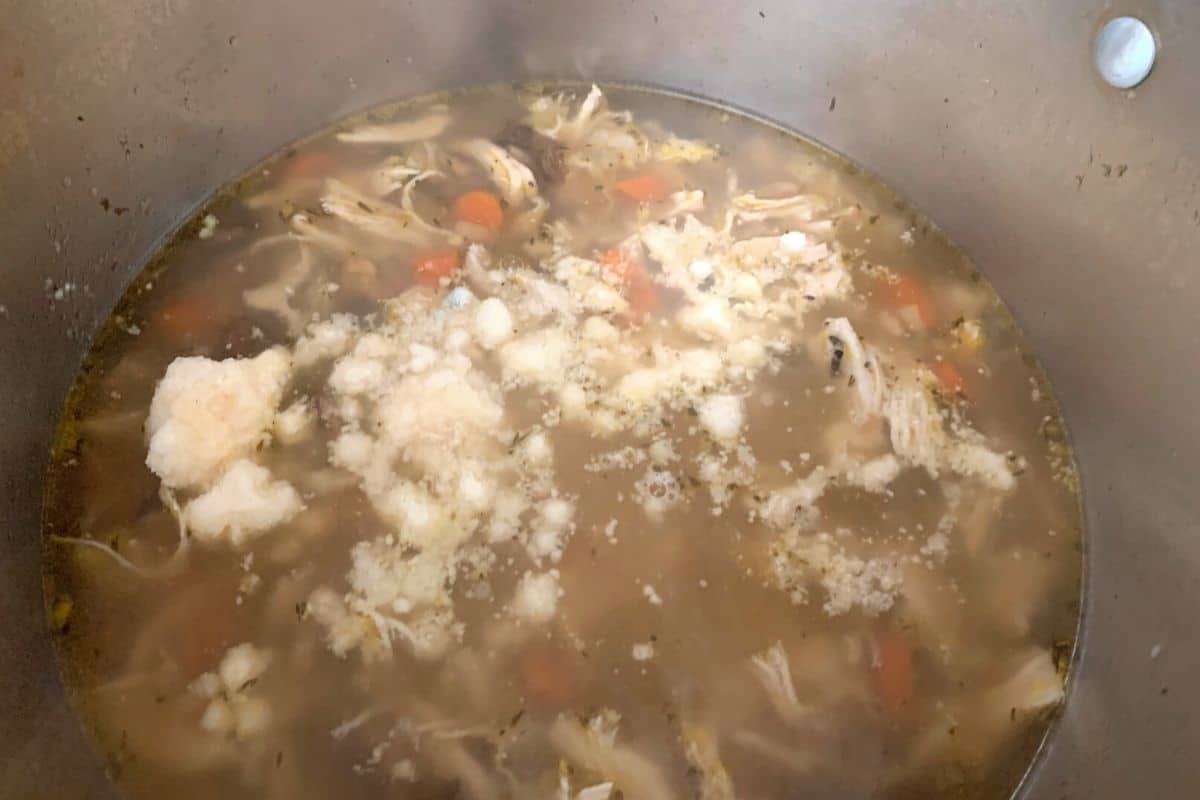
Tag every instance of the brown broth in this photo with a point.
(1007, 584)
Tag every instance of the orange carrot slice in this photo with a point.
(312, 164)
(909, 292)
(643, 188)
(196, 316)
(893, 673)
(479, 208)
(431, 267)
(617, 263)
(639, 290)
(949, 376)
(548, 675)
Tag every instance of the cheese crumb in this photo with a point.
(598, 330)
(458, 297)
(208, 226)
(244, 503)
(643, 651)
(849, 581)
(536, 597)
(722, 416)
(493, 323)
(876, 474)
(708, 319)
(327, 339)
(295, 423)
(233, 710)
(206, 414)
(242, 664)
(537, 358)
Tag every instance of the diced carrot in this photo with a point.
(893, 672)
(479, 208)
(949, 376)
(197, 645)
(616, 262)
(909, 292)
(195, 316)
(310, 164)
(643, 188)
(197, 627)
(431, 267)
(641, 292)
(639, 289)
(548, 674)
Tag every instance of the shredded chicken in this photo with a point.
(751, 207)
(596, 138)
(920, 435)
(861, 363)
(593, 747)
(775, 676)
(380, 218)
(276, 297)
(700, 749)
(514, 180)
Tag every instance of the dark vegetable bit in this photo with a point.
(546, 157)
(835, 361)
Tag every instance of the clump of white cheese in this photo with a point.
(722, 415)
(243, 503)
(849, 581)
(493, 323)
(205, 414)
(536, 597)
(234, 708)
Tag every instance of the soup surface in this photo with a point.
(552, 443)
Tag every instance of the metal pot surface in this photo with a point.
(1080, 202)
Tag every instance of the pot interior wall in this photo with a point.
(1079, 203)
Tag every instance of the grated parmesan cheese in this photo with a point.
(205, 414)
(242, 504)
(493, 323)
(536, 597)
(722, 416)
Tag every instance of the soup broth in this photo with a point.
(566, 443)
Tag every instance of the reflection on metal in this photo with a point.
(1124, 52)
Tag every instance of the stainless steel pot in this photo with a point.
(1080, 202)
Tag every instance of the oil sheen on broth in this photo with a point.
(554, 443)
